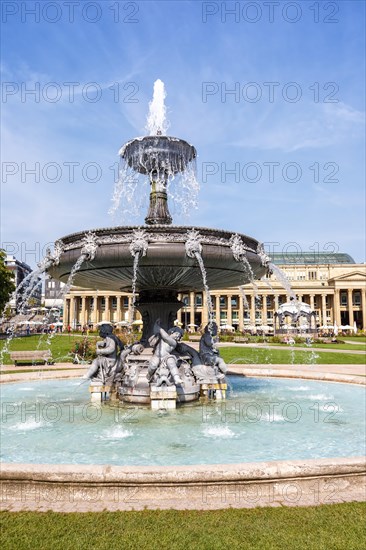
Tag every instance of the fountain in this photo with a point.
(158, 261)
(64, 453)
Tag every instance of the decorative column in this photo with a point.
(73, 312)
(95, 311)
(363, 304)
(331, 307)
(106, 309)
(241, 312)
(324, 310)
(119, 308)
(66, 316)
(191, 307)
(312, 302)
(337, 307)
(229, 314)
(82, 317)
(264, 309)
(252, 309)
(218, 310)
(350, 306)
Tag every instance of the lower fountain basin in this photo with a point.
(166, 264)
(54, 422)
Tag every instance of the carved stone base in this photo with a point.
(99, 393)
(214, 391)
(163, 397)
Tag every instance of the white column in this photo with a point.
(241, 312)
(350, 306)
(252, 309)
(324, 310)
(264, 309)
(218, 310)
(363, 304)
(191, 306)
(95, 311)
(74, 312)
(229, 310)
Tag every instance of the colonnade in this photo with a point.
(229, 307)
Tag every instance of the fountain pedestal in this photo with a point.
(157, 304)
(163, 397)
(158, 207)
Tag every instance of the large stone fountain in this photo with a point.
(156, 262)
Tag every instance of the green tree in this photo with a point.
(7, 285)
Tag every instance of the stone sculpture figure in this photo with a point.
(129, 369)
(107, 364)
(163, 364)
(209, 354)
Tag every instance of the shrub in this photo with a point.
(84, 348)
(275, 340)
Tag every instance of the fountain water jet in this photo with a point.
(157, 122)
(194, 250)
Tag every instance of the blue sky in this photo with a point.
(313, 148)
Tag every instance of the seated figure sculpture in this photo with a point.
(106, 365)
(129, 369)
(209, 354)
(163, 364)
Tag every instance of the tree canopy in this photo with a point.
(7, 285)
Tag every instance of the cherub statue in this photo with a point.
(209, 353)
(163, 361)
(130, 369)
(105, 366)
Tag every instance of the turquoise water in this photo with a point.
(263, 419)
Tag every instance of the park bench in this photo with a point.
(194, 338)
(44, 356)
(239, 340)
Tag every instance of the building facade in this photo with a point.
(332, 284)
(52, 293)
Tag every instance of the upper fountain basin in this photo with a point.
(158, 154)
(165, 265)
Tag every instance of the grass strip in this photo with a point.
(335, 526)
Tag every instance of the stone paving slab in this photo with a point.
(42, 368)
(348, 369)
(44, 375)
(352, 374)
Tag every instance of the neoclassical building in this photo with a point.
(332, 284)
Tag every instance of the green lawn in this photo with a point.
(330, 527)
(60, 346)
(256, 356)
